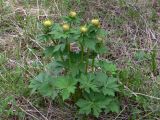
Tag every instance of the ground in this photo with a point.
(133, 43)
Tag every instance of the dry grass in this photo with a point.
(133, 27)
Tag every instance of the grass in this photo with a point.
(133, 43)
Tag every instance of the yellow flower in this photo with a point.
(83, 29)
(95, 22)
(72, 14)
(66, 27)
(47, 23)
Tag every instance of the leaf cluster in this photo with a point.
(75, 73)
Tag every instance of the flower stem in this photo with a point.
(93, 60)
(87, 60)
(82, 53)
(69, 56)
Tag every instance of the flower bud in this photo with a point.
(47, 23)
(83, 29)
(72, 14)
(95, 22)
(66, 27)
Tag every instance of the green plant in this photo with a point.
(154, 61)
(6, 106)
(75, 73)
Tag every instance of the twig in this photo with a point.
(57, 8)
(135, 94)
(152, 97)
(28, 113)
(35, 109)
(128, 89)
(50, 104)
(120, 113)
(38, 8)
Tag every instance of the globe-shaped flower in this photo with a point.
(65, 27)
(83, 29)
(47, 23)
(72, 14)
(95, 22)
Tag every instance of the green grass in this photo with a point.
(132, 26)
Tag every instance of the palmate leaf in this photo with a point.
(110, 86)
(66, 85)
(58, 35)
(93, 103)
(100, 79)
(101, 48)
(85, 106)
(77, 68)
(88, 83)
(102, 33)
(113, 106)
(38, 81)
(90, 44)
(44, 84)
(57, 27)
(49, 90)
(89, 41)
(107, 84)
(108, 66)
(43, 37)
(59, 47)
(55, 67)
(57, 32)
(54, 50)
(73, 35)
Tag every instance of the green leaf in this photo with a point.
(141, 56)
(74, 35)
(56, 27)
(43, 37)
(108, 66)
(48, 90)
(59, 35)
(74, 69)
(114, 106)
(110, 86)
(49, 51)
(107, 84)
(67, 86)
(57, 32)
(55, 68)
(44, 84)
(90, 44)
(101, 77)
(38, 81)
(54, 50)
(101, 48)
(93, 104)
(59, 47)
(85, 106)
(102, 33)
(88, 83)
